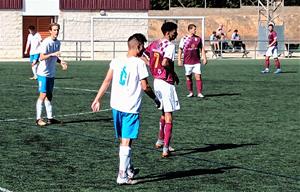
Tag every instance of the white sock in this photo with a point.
(34, 70)
(124, 155)
(48, 109)
(130, 165)
(39, 109)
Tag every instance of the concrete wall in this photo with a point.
(77, 26)
(10, 34)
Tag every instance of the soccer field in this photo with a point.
(244, 136)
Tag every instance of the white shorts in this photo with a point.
(272, 51)
(189, 69)
(166, 93)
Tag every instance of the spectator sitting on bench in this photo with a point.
(223, 42)
(214, 42)
(236, 41)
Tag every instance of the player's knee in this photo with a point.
(168, 117)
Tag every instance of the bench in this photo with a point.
(291, 48)
(235, 49)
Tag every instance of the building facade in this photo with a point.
(74, 16)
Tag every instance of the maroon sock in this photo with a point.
(199, 85)
(277, 63)
(168, 134)
(267, 63)
(161, 133)
(189, 84)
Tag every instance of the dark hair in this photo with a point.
(191, 26)
(235, 30)
(167, 27)
(139, 37)
(31, 27)
(271, 24)
(53, 24)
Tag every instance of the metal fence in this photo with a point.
(81, 49)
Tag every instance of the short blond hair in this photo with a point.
(53, 24)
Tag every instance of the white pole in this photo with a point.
(92, 38)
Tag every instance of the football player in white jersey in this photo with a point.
(49, 56)
(128, 77)
(34, 40)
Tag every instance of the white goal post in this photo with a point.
(93, 18)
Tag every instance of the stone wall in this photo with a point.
(244, 19)
(10, 34)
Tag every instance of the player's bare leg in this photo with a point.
(34, 68)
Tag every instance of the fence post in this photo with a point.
(114, 49)
(80, 51)
(76, 43)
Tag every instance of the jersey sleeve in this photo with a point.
(170, 52)
(43, 47)
(142, 70)
(112, 64)
(181, 43)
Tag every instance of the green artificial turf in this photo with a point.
(244, 136)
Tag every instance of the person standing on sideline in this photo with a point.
(128, 77)
(191, 46)
(161, 54)
(272, 51)
(49, 56)
(34, 40)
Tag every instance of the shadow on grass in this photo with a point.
(222, 94)
(64, 78)
(210, 147)
(289, 72)
(88, 120)
(181, 174)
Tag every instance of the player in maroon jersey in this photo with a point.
(191, 45)
(272, 51)
(161, 54)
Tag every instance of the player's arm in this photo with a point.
(27, 46)
(180, 57)
(148, 90)
(106, 83)
(273, 43)
(203, 54)
(44, 56)
(180, 50)
(63, 64)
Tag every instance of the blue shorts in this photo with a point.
(46, 84)
(34, 57)
(126, 124)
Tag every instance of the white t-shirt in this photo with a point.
(47, 67)
(126, 89)
(34, 42)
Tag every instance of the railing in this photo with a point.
(80, 49)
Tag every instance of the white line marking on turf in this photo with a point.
(4, 190)
(66, 115)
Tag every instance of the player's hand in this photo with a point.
(157, 103)
(180, 63)
(25, 52)
(204, 61)
(64, 65)
(95, 106)
(56, 54)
